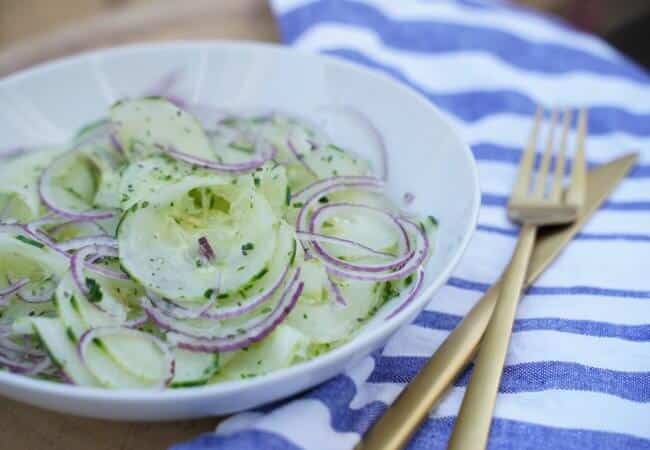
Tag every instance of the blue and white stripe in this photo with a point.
(577, 374)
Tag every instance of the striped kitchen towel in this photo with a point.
(578, 370)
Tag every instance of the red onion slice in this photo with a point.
(136, 321)
(411, 295)
(167, 322)
(78, 263)
(8, 345)
(251, 335)
(80, 242)
(177, 311)
(225, 167)
(25, 367)
(316, 237)
(335, 291)
(421, 250)
(6, 293)
(323, 213)
(228, 312)
(314, 192)
(300, 158)
(310, 189)
(34, 228)
(28, 295)
(102, 248)
(205, 249)
(97, 333)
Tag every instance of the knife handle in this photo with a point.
(395, 428)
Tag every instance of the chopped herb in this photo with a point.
(287, 196)
(323, 199)
(256, 181)
(260, 274)
(247, 247)
(408, 280)
(293, 253)
(145, 204)
(327, 224)
(94, 291)
(70, 334)
(433, 220)
(298, 205)
(74, 304)
(29, 241)
(388, 293)
(222, 296)
(98, 343)
(208, 293)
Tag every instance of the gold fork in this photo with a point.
(533, 205)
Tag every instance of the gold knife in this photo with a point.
(394, 429)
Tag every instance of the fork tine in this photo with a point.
(578, 188)
(528, 158)
(556, 189)
(540, 182)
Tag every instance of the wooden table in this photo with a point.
(85, 24)
(101, 23)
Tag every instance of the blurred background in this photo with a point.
(33, 30)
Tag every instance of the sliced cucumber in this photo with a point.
(283, 254)
(145, 124)
(194, 368)
(111, 375)
(79, 315)
(62, 350)
(329, 322)
(236, 220)
(274, 186)
(23, 257)
(280, 349)
(19, 177)
(160, 179)
(108, 163)
(136, 355)
(69, 312)
(71, 181)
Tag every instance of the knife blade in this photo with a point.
(394, 429)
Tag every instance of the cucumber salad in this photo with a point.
(160, 249)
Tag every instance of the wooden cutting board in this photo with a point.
(24, 427)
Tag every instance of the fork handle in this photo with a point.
(475, 417)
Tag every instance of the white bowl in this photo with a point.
(426, 157)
